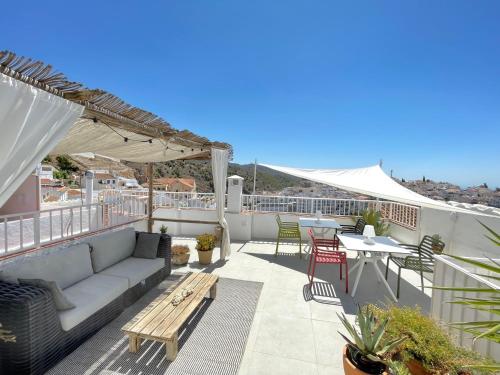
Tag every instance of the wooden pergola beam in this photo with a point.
(150, 198)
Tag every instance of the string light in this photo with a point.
(150, 141)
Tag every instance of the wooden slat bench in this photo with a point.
(161, 320)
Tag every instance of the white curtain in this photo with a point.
(32, 122)
(220, 159)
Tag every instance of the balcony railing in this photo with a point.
(397, 213)
(32, 229)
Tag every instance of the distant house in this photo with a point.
(127, 183)
(173, 184)
(46, 172)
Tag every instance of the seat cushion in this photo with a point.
(64, 265)
(135, 269)
(111, 247)
(146, 245)
(89, 296)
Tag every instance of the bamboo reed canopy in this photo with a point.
(108, 126)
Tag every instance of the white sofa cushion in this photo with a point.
(64, 265)
(110, 248)
(135, 269)
(89, 296)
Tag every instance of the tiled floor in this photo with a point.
(294, 331)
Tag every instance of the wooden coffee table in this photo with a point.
(161, 319)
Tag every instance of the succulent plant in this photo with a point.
(370, 340)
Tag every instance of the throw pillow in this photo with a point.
(146, 245)
(62, 303)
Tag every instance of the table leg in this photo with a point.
(361, 264)
(134, 343)
(381, 277)
(172, 348)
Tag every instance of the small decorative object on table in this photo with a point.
(205, 246)
(180, 254)
(369, 233)
(163, 229)
(319, 215)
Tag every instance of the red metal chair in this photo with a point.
(327, 251)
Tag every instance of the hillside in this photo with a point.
(267, 180)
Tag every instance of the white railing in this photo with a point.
(448, 273)
(32, 229)
(397, 213)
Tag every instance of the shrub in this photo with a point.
(180, 249)
(374, 218)
(427, 342)
(206, 242)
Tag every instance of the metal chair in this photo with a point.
(356, 229)
(326, 251)
(421, 260)
(288, 230)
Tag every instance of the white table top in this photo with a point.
(355, 242)
(322, 223)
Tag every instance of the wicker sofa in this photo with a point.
(97, 274)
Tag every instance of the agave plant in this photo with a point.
(369, 341)
(373, 217)
(488, 329)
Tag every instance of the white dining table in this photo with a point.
(371, 253)
(320, 227)
(315, 224)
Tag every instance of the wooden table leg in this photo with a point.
(172, 348)
(134, 343)
(213, 291)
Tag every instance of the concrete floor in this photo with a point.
(295, 330)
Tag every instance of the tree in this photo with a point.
(485, 185)
(65, 164)
(423, 179)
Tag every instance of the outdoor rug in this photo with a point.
(212, 341)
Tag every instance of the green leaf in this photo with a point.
(467, 289)
(496, 237)
(477, 263)
(492, 331)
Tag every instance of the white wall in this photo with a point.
(461, 231)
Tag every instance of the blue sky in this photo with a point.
(297, 83)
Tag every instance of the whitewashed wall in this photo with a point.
(461, 231)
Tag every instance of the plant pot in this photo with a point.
(349, 367)
(180, 259)
(416, 368)
(205, 256)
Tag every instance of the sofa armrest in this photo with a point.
(30, 314)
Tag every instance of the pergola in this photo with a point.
(42, 112)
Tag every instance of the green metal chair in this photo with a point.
(288, 230)
(421, 260)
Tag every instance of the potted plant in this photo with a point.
(373, 217)
(163, 229)
(180, 254)
(205, 245)
(428, 349)
(365, 352)
(437, 246)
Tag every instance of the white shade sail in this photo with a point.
(32, 122)
(220, 159)
(370, 181)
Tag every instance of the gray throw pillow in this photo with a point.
(62, 303)
(146, 245)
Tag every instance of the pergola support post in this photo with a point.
(150, 197)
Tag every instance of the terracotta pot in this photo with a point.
(416, 368)
(205, 257)
(349, 368)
